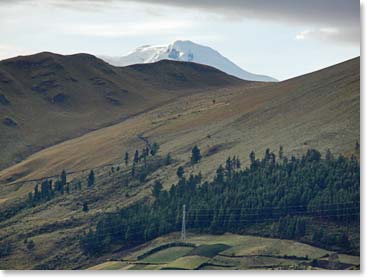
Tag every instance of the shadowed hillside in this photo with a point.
(47, 98)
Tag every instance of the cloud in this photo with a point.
(341, 15)
(319, 33)
(128, 29)
(329, 34)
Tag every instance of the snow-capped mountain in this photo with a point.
(187, 51)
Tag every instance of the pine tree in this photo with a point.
(239, 164)
(267, 155)
(180, 172)
(220, 174)
(142, 176)
(91, 178)
(252, 158)
(85, 207)
(253, 195)
(168, 160)
(37, 195)
(157, 188)
(229, 167)
(145, 154)
(63, 178)
(126, 158)
(136, 156)
(154, 149)
(195, 155)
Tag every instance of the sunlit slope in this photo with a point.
(48, 98)
(318, 110)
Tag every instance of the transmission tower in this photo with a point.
(183, 227)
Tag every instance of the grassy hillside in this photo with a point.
(319, 110)
(48, 98)
(236, 252)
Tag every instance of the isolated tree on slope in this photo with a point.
(154, 149)
(195, 155)
(91, 178)
(280, 154)
(136, 156)
(252, 159)
(126, 158)
(168, 159)
(145, 155)
(63, 178)
(180, 172)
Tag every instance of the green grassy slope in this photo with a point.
(240, 252)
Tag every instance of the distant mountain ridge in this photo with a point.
(186, 51)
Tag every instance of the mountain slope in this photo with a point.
(47, 98)
(318, 110)
(189, 52)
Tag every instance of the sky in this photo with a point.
(279, 38)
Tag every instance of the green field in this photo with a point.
(167, 255)
(228, 251)
(112, 265)
(209, 251)
(187, 262)
(276, 248)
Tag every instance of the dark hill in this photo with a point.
(54, 97)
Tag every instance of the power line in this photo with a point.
(263, 220)
(285, 207)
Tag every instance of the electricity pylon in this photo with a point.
(183, 227)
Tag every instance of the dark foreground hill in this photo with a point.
(47, 98)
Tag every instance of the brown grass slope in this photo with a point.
(47, 98)
(316, 110)
(319, 110)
